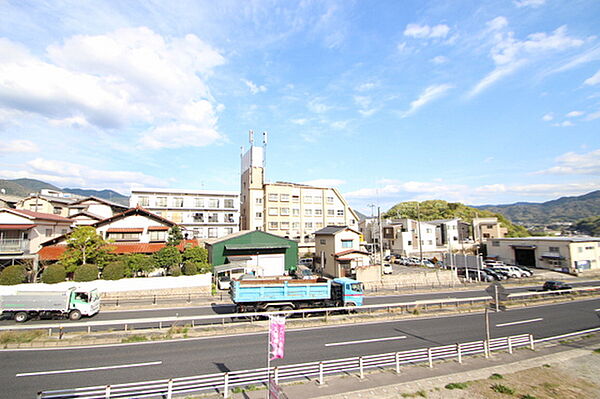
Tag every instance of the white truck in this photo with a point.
(71, 303)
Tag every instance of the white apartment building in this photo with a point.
(409, 237)
(199, 213)
(290, 210)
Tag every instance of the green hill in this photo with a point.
(589, 226)
(438, 209)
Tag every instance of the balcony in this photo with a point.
(14, 246)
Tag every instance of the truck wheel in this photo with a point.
(287, 309)
(74, 314)
(21, 317)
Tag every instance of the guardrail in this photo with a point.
(223, 382)
(193, 321)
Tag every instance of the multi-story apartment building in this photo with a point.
(289, 210)
(199, 213)
(486, 228)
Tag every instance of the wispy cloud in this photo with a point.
(324, 182)
(593, 80)
(572, 163)
(574, 114)
(18, 146)
(426, 31)
(529, 3)
(429, 94)
(254, 89)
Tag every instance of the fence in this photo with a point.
(223, 382)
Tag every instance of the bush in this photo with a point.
(86, 272)
(114, 271)
(167, 257)
(53, 274)
(496, 376)
(502, 389)
(457, 385)
(189, 268)
(11, 275)
(175, 270)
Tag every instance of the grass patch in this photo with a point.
(18, 337)
(502, 389)
(457, 385)
(421, 394)
(597, 350)
(527, 396)
(496, 376)
(134, 338)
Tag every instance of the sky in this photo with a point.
(389, 101)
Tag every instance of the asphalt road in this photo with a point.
(160, 360)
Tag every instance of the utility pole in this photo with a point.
(380, 236)
(419, 228)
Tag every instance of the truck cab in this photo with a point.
(351, 291)
(86, 302)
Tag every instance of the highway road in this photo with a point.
(24, 372)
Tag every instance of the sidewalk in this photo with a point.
(386, 384)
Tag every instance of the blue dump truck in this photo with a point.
(278, 294)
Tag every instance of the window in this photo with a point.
(48, 232)
(347, 243)
(322, 241)
(158, 236)
(272, 225)
(57, 210)
(144, 201)
(295, 198)
(295, 225)
(284, 211)
(258, 215)
(212, 232)
(428, 230)
(213, 218)
(228, 230)
(198, 218)
(285, 225)
(318, 199)
(330, 200)
(213, 203)
(259, 201)
(307, 198)
(330, 212)
(308, 212)
(176, 217)
(178, 202)
(199, 202)
(308, 225)
(284, 197)
(273, 197)
(228, 203)
(201, 232)
(318, 212)
(161, 201)
(273, 211)
(319, 225)
(553, 249)
(34, 207)
(340, 212)
(430, 242)
(295, 212)
(229, 218)
(124, 236)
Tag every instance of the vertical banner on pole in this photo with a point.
(277, 336)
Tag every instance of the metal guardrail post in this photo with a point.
(107, 392)
(531, 342)
(154, 300)
(360, 367)
(430, 357)
(117, 303)
(225, 385)
(170, 389)
(321, 380)
(459, 352)
(189, 300)
(397, 362)
(276, 374)
(486, 348)
(510, 350)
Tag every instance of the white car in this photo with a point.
(387, 268)
(512, 271)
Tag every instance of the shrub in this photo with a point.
(87, 272)
(11, 275)
(54, 274)
(457, 385)
(502, 389)
(189, 268)
(175, 270)
(496, 376)
(114, 271)
(167, 257)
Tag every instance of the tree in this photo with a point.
(189, 268)
(195, 254)
(137, 263)
(167, 257)
(114, 270)
(53, 274)
(87, 272)
(12, 275)
(84, 246)
(175, 236)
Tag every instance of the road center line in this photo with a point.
(120, 366)
(519, 322)
(364, 341)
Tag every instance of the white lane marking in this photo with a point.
(597, 310)
(519, 322)
(120, 366)
(364, 341)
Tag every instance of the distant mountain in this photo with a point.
(564, 209)
(24, 187)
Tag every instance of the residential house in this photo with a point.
(200, 213)
(486, 228)
(90, 210)
(401, 237)
(46, 204)
(450, 233)
(338, 251)
(9, 201)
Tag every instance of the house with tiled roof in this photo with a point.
(55, 205)
(135, 230)
(90, 210)
(22, 233)
(338, 251)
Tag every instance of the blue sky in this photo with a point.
(478, 102)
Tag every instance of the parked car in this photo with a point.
(427, 263)
(303, 273)
(555, 286)
(387, 268)
(475, 274)
(224, 282)
(494, 274)
(526, 270)
(306, 262)
(493, 263)
(512, 271)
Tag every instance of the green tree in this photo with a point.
(167, 257)
(137, 263)
(189, 268)
(114, 270)
(87, 272)
(85, 246)
(14, 274)
(175, 270)
(175, 236)
(199, 256)
(53, 274)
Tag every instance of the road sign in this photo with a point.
(497, 290)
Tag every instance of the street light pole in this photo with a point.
(419, 229)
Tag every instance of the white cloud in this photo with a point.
(324, 182)
(593, 80)
(339, 124)
(402, 47)
(572, 163)
(254, 89)
(497, 23)
(366, 86)
(316, 105)
(129, 77)
(440, 59)
(564, 124)
(429, 94)
(529, 3)
(394, 189)
(18, 146)
(510, 54)
(300, 121)
(574, 114)
(426, 31)
(548, 117)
